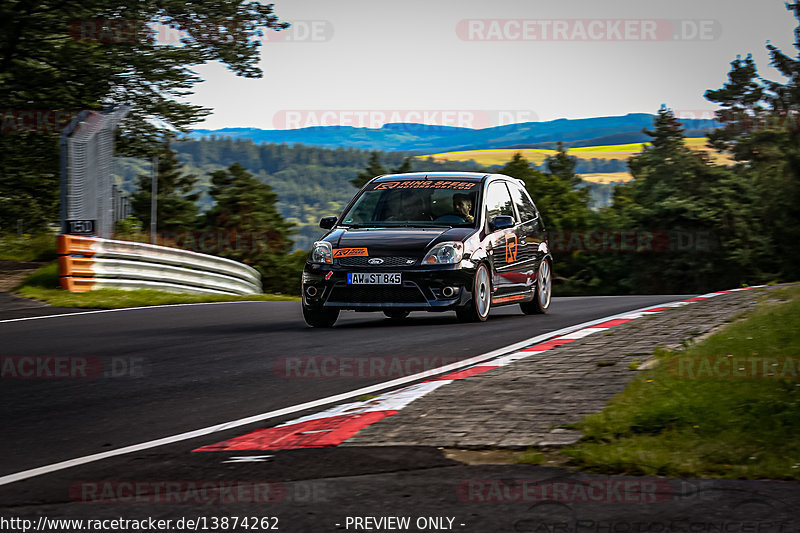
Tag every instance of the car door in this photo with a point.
(503, 243)
(530, 234)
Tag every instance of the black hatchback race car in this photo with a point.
(434, 241)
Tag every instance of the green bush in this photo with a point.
(41, 247)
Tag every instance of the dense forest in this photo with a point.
(684, 224)
(310, 182)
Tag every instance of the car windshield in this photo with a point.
(415, 203)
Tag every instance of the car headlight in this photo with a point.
(446, 253)
(322, 252)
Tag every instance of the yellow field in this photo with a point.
(501, 156)
(607, 177)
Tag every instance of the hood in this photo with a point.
(411, 242)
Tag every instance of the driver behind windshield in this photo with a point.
(462, 206)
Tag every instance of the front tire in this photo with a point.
(320, 318)
(544, 288)
(477, 310)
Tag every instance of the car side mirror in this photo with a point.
(501, 222)
(327, 222)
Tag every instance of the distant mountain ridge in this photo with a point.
(428, 139)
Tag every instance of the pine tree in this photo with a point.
(374, 168)
(176, 197)
(561, 206)
(563, 165)
(247, 207)
(242, 203)
(679, 194)
(761, 130)
(404, 167)
(741, 99)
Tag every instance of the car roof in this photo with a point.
(468, 176)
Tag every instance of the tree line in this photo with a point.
(696, 225)
(692, 225)
(49, 65)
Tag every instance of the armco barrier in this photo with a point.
(87, 263)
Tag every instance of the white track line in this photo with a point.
(26, 474)
(78, 313)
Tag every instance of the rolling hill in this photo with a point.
(427, 139)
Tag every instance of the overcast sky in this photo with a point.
(461, 62)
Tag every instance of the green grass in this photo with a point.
(366, 397)
(27, 247)
(42, 285)
(531, 457)
(745, 428)
(45, 277)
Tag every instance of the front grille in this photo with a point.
(375, 294)
(387, 261)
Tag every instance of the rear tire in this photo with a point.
(544, 288)
(477, 310)
(320, 318)
(396, 314)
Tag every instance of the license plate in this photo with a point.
(373, 278)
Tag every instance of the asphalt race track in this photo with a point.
(207, 364)
(181, 368)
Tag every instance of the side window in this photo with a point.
(524, 204)
(498, 201)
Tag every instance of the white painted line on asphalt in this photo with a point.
(636, 314)
(34, 472)
(389, 401)
(510, 358)
(79, 313)
(581, 333)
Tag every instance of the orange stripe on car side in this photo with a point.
(503, 299)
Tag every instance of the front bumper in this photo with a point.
(422, 289)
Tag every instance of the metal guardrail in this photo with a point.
(87, 263)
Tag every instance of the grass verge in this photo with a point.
(42, 285)
(744, 427)
(27, 247)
